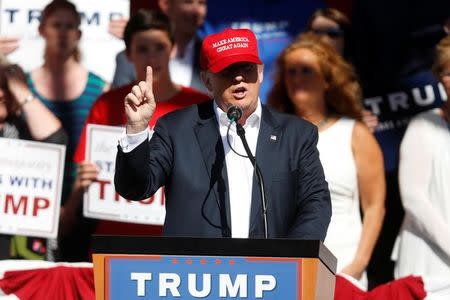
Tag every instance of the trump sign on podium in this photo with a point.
(186, 277)
(144, 267)
(101, 200)
(30, 187)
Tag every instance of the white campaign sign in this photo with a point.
(98, 47)
(30, 187)
(101, 201)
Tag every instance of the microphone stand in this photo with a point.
(241, 133)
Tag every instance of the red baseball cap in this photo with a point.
(230, 46)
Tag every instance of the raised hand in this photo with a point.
(140, 104)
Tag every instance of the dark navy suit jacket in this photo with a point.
(185, 154)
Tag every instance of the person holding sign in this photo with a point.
(196, 153)
(24, 117)
(62, 83)
(149, 41)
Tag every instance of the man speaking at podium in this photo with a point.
(205, 154)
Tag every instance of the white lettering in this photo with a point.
(192, 285)
(442, 92)
(141, 278)
(240, 45)
(223, 48)
(374, 104)
(264, 283)
(429, 96)
(169, 281)
(219, 43)
(226, 286)
(397, 100)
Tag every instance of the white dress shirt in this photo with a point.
(239, 169)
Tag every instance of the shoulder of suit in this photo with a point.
(289, 120)
(189, 113)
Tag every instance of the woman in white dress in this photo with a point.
(423, 246)
(315, 83)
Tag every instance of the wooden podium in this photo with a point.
(131, 267)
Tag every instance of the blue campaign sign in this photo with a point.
(185, 277)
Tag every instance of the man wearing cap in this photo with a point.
(210, 186)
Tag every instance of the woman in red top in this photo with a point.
(148, 39)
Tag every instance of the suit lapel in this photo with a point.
(268, 138)
(210, 142)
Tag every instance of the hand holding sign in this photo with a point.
(140, 104)
(87, 173)
(8, 44)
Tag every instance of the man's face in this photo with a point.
(237, 84)
(187, 15)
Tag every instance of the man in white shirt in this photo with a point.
(211, 190)
(186, 17)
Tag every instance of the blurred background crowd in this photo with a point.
(373, 76)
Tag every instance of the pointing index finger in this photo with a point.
(149, 78)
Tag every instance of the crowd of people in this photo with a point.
(314, 79)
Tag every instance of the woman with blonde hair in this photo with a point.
(423, 245)
(315, 83)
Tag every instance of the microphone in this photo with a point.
(234, 113)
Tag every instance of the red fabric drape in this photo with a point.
(61, 282)
(407, 288)
(73, 283)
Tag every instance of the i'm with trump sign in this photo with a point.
(30, 187)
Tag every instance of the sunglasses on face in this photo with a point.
(331, 32)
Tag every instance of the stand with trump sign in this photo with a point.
(191, 268)
(101, 200)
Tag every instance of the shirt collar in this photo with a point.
(254, 120)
